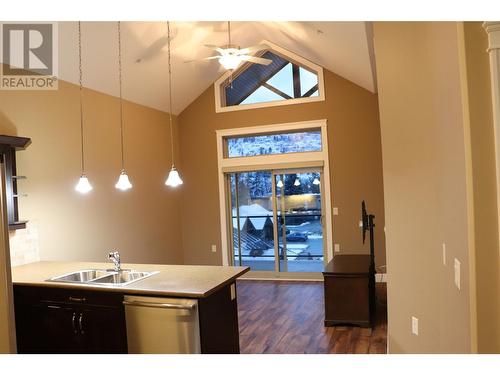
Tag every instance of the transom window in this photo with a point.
(271, 144)
(289, 79)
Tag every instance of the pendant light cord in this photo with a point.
(170, 94)
(121, 102)
(81, 87)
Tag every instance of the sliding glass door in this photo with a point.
(276, 221)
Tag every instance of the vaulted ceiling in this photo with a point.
(341, 47)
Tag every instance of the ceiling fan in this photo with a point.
(230, 55)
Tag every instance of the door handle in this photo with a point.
(80, 324)
(73, 322)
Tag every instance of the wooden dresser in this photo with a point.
(349, 290)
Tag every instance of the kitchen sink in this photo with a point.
(123, 277)
(103, 277)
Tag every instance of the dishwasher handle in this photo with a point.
(161, 305)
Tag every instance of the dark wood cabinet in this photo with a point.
(9, 145)
(349, 290)
(52, 320)
(64, 320)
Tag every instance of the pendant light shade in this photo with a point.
(83, 186)
(297, 182)
(316, 181)
(123, 182)
(279, 184)
(173, 179)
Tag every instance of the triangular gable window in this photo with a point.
(289, 79)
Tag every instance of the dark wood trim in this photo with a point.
(296, 81)
(276, 91)
(310, 91)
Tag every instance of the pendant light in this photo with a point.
(173, 178)
(123, 181)
(279, 184)
(297, 182)
(83, 186)
(316, 181)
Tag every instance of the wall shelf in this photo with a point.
(9, 145)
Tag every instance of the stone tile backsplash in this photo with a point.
(24, 245)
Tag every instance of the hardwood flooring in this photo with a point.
(287, 317)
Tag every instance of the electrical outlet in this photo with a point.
(336, 248)
(444, 254)
(335, 211)
(214, 248)
(457, 273)
(414, 326)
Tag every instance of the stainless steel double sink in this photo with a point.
(103, 277)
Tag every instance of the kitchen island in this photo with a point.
(68, 317)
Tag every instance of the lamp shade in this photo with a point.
(173, 178)
(83, 186)
(123, 182)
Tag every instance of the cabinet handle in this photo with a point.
(75, 299)
(161, 305)
(80, 323)
(73, 323)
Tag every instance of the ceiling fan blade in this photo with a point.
(256, 60)
(153, 49)
(216, 48)
(204, 59)
(248, 50)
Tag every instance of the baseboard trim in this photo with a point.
(379, 278)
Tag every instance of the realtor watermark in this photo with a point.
(29, 56)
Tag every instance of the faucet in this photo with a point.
(115, 257)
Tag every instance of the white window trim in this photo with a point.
(319, 158)
(293, 57)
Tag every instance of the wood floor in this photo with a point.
(287, 317)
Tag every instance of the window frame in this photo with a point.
(290, 161)
(292, 57)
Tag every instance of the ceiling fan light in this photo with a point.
(83, 186)
(123, 182)
(173, 178)
(230, 61)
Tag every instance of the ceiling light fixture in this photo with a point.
(279, 184)
(83, 186)
(123, 181)
(297, 182)
(229, 56)
(173, 178)
(316, 181)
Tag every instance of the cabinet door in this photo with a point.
(47, 328)
(102, 330)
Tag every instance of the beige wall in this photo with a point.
(355, 163)
(142, 223)
(424, 161)
(487, 262)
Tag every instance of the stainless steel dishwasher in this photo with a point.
(162, 325)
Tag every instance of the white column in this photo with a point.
(493, 30)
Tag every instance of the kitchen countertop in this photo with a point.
(172, 280)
